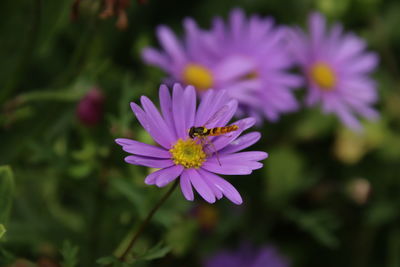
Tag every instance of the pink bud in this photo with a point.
(90, 108)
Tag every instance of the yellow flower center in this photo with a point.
(188, 153)
(323, 75)
(198, 76)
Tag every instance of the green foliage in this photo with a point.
(6, 193)
(69, 254)
(68, 181)
(285, 175)
(2, 230)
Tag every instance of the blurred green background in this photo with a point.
(325, 197)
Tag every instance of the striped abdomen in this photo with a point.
(221, 130)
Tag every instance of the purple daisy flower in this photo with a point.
(246, 255)
(196, 163)
(246, 57)
(257, 42)
(337, 67)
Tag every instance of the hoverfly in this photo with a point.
(202, 132)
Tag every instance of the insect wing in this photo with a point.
(217, 116)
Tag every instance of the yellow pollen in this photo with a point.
(198, 76)
(188, 153)
(323, 75)
(251, 75)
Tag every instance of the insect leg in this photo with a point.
(215, 150)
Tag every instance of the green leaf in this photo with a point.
(113, 261)
(69, 254)
(285, 175)
(2, 230)
(320, 224)
(156, 252)
(180, 237)
(6, 192)
(107, 260)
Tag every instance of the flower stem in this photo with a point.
(135, 237)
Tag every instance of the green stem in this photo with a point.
(146, 221)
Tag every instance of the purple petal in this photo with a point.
(178, 111)
(350, 45)
(147, 124)
(226, 168)
(245, 156)
(225, 187)
(232, 68)
(242, 143)
(232, 160)
(166, 108)
(317, 28)
(206, 111)
(189, 97)
(170, 43)
(201, 187)
(157, 120)
(149, 162)
(166, 172)
(168, 175)
(237, 20)
(231, 108)
(139, 148)
(186, 186)
(366, 63)
(154, 57)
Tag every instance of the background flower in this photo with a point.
(193, 161)
(249, 256)
(247, 57)
(337, 67)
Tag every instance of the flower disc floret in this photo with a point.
(198, 76)
(188, 153)
(323, 75)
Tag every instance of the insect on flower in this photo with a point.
(181, 152)
(202, 132)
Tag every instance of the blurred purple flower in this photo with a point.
(337, 67)
(90, 107)
(258, 47)
(247, 57)
(181, 156)
(246, 255)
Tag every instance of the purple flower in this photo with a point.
(257, 42)
(248, 256)
(337, 67)
(90, 107)
(196, 162)
(246, 57)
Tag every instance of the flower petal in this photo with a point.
(154, 57)
(149, 162)
(170, 43)
(139, 148)
(178, 111)
(226, 168)
(207, 111)
(241, 143)
(156, 119)
(168, 175)
(186, 186)
(200, 185)
(233, 67)
(224, 186)
(189, 97)
(149, 126)
(166, 108)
